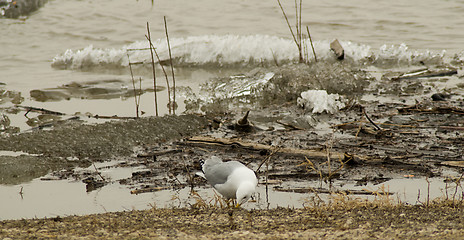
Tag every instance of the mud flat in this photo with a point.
(72, 144)
(388, 128)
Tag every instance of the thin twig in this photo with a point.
(21, 193)
(328, 147)
(458, 183)
(418, 197)
(297, 24)
(446, 190)
(108, 117)
(275, 58)
(289, 26)
(313, 167)
(275, 150)
(311, 41)
(165, 75)
(375, 125)
(41, 110)
(153, 67)
(96, 170)
(189, 176)
(305, 50)
(300, 30)
(133, 85)
(428, 190)
(139, 96)
(137, 49)
(172, 69)
(267, 180)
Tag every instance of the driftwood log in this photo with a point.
(215, 142)
(349, 159)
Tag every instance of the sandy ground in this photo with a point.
(369, 221)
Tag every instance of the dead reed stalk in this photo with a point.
(325, 177)
(311, 41)
(21, 193)
(298, 22)
(327, 148)
(189, 176)
(174, 104)
(298, 44)
(98, 173)
(458, 184)
(165, 75)
(275, 58)
(137, 101)
(428, 190)
(298, 37)
(148, 36)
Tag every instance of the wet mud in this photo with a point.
(75, 144)
(368, 141)
(388, 129)
(101, 89)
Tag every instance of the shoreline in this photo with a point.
(346, 221)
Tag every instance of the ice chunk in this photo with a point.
(319, 101)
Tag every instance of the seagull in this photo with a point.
(232, 179)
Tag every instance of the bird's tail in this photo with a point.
(202, 173)
(202, 162)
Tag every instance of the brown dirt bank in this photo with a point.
(369, 221)
(74, 144)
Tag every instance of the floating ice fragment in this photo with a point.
(241, 86)
(402, 54)
(319, 101)
(205, 50)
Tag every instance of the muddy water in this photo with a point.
(29, 45)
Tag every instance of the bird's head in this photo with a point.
(244, 192)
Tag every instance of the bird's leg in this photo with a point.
(236, 204)
(232, 203)
(228, 202)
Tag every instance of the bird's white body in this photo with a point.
(231, 179)
(240, 177)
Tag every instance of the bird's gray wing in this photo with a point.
(210, 163)
(218, 174)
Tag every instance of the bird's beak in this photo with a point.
(237, 205)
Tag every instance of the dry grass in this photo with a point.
(216, 202)
(343, 201)
(452, 198)
(330, 173)
(453, 195)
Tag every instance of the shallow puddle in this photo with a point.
(50, 198)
